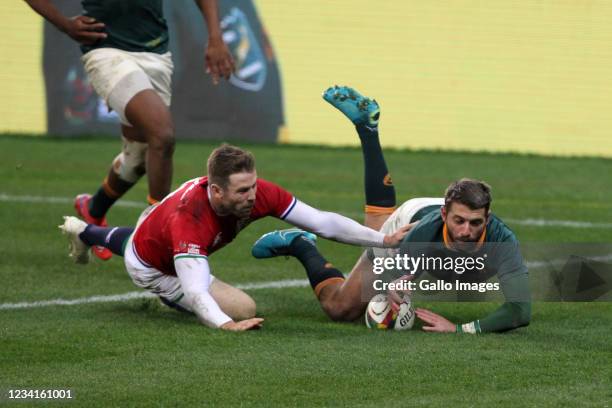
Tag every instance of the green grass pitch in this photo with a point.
(138, 353)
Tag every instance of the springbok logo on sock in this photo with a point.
(387, 180)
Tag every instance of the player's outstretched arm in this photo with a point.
(514, 313)
(340, 228)
(219, 61)
(194, 274)
(82, 29)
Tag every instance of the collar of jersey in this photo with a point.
(449, 244)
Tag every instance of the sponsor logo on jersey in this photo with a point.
(193, 249)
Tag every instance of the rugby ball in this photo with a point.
(380, 315)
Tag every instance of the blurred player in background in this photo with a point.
(125, 54)
(167, 253)
(456, 222)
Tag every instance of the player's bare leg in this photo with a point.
(129, 166)
(347, 300)
(149, 139)
(126, 169)
(153, 123)
(234, 302)
(342, 299)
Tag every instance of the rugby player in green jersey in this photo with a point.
(459, 223)
(125, 54)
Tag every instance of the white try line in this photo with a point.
(528, 222)
(560, 262)
(8, 198)
(288, 283)
(537, 222)
(279, 284)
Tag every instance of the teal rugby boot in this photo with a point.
(277, 243)
(359, 109)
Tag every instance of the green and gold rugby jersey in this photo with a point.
(131, 25)
(504, 260)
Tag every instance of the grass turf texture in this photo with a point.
(139, 353)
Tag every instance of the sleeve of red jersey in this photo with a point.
(189, 237)
(278, 201)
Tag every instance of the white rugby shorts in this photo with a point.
(147, 277)
(117, 76)
(401, 217)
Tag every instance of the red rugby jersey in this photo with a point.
(185, 223)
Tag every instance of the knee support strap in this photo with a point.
(130, 164)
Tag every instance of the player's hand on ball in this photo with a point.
(395, 297)
(436, 323)
(84, 30)
(219, 61)
(394, 240)
(243, 325)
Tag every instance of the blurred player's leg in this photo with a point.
(127, 168)
(148, 113)
(138, 87)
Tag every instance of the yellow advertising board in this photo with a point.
(526, 76)
(22, 103)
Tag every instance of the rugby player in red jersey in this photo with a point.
(167, 253)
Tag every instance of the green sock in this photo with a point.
(100, 203)
(379, 188)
